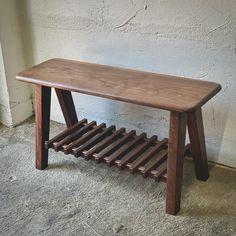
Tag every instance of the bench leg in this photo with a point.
(42, 120)
(177, 133)
(198, 147)
(67, 106)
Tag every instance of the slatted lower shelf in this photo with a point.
(137, 153)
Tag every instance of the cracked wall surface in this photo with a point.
(186, 38)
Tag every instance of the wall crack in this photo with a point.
(131, 18)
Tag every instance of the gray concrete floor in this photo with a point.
(78, 197)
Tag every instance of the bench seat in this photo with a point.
(144, 88)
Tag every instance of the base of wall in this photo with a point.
(18, 114)
(21, 112)
(5, 115)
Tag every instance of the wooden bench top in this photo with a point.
(139, 87)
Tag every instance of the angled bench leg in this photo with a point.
(42, 120)
(197, 141)
(67, 106)
(177, 133)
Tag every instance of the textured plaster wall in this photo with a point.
(17, 104)
(185, 37)
(5, 114)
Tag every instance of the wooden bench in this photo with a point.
(151, 157)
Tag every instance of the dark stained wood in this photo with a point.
(153, 163)
(135, 153)
(161, 91)
(65, 133)
(67, 149)
(42, 121)
(93, 141)
(163, 178)
(67, 106)
(160, 171)
(113, 147)
(102, 145)
(124, 150)
(197, 140)
(176, 146)
(153, 151)
(75, 135)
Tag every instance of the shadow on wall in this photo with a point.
(216, 118)
(26, 32)
(130, 116)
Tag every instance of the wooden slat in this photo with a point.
(148, 155)
(73, 136)
(67, 148)
(59, 137)
(135, 153)
(163, 178)
(156, 174)
(113, 147)
(104, 143)
(124, 150)
(153, 163)
(93, 141)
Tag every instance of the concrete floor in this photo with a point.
(78, 197)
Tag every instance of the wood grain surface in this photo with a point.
(138, 87)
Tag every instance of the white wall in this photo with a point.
(15, 97)
(183, 37)
(5, 113)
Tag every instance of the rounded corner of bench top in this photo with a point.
(166, 92)
(215, 89)
(218, 86)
